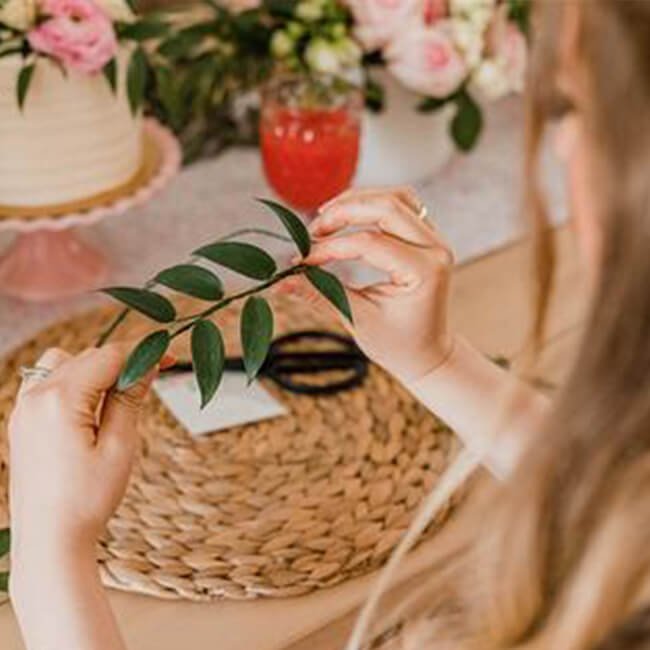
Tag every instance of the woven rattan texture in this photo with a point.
(274, 509)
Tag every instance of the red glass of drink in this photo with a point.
(310, 129)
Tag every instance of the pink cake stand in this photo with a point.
(48, 262)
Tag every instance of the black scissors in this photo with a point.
(285, 365)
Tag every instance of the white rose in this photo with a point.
(321, 56)
(309, 11)
(349, 51)
(117, 10)
(491, 80)
(477, 12)
(18, 14)
(281, 44)
(469, 39)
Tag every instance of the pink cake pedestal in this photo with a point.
(47, 261)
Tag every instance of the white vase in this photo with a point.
(400, 145)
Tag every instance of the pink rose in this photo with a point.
(435, 10)
(426, 60)
(77, 33)
(378, 21)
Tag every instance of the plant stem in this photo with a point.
(293, 270)
(119, 319)
(106, 334)
(256, 231)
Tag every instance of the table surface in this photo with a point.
(490, 306)
(475, 204)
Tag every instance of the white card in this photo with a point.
(234, 404)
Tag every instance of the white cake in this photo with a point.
(73, 140)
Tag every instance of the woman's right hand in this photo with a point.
(402, 323)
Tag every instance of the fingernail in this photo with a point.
(168, 361)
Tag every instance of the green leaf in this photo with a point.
(5, 541)
(519, 12)
(432, 104)
(22, 85)
(375, 96)
(143, 358)
(467, 123)
(243, 258)
(10, 51)
(208, 358)
(256, 334)
(136, 79)
(4, 582)
(294, 225)
(147, 302)
(110, 73)
(144, 30)
(331, 288)
(192, 280)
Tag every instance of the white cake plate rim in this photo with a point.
(171, 158)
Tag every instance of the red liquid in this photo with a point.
(310, 155)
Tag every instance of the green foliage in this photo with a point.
(208, 358)
(374, 95)
(23, 83)
(145, 29)
(293, 224)
(136, 79)
(4, 582)
(110, 74)
(5, 541)
(191, 280)
(433, 104)
(519, 11)
(467, 124)
(331, 288)
(256, 326)
(245, 259)
(146, 355)
(147, 302)
(256, 334)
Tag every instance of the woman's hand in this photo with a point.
(72, 441)
(402, 323)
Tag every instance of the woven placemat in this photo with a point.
(277, 508)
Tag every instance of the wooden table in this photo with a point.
(490, 306)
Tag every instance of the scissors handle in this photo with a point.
(282, 365)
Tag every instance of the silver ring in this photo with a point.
(423, 212)
(36, 373)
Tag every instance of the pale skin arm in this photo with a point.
(69, 470)
(402, 322)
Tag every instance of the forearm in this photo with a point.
(60, 602)
(492, 411)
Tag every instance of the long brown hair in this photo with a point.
(563, 560)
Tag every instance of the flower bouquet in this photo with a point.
(77, 35)
(445, 52)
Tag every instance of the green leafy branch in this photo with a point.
(5, 543)
(190, 279)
